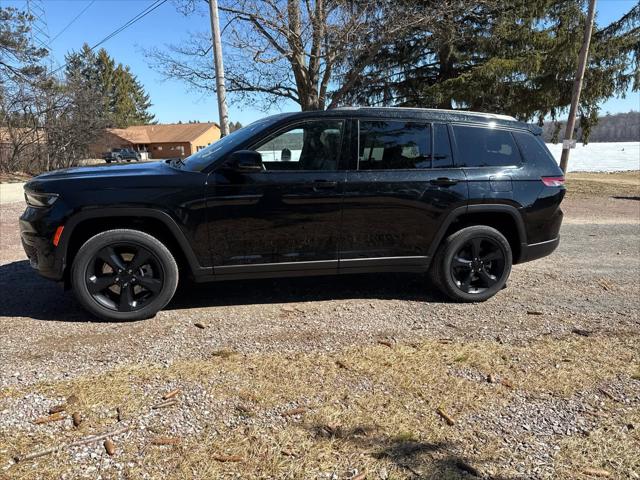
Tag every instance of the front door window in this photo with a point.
(312, 146)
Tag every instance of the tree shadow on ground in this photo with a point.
(424, 460)
(23, 293)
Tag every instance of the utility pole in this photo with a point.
(217, 58)
(568, 143)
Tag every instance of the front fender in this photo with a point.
(70, 226)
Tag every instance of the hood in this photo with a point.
(107, 170)
(108, 175)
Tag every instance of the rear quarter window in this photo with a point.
(536, 153)
(485, 147)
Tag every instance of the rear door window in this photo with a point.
(394, 145)
(485, 147)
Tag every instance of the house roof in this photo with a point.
(167, 133)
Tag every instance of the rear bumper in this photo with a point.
(534, 251)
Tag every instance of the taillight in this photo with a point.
(553, 181)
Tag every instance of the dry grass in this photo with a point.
(623, 184)
(367, 409)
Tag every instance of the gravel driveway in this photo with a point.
(591, 282)
(576, 308)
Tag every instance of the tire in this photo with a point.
(472, 264)
(108, 161)
(105, 285)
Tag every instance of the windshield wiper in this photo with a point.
(177, 161)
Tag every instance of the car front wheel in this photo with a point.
(124, 275)
(473, 264)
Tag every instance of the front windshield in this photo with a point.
(200, 160)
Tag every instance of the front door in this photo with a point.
(400, 187)
(285, 218)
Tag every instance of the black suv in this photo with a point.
(460, 195)
(119, 154)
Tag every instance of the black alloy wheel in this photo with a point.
(479, 264)
(124, 277)
(472, 264)
(124, 274)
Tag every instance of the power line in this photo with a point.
(139, 16)
(72, 21)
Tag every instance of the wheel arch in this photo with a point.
(159, 224)
(504, 218)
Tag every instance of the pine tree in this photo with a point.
(510, 56)
(121, 97)
(122, 104)
(104, 72)
(142, 102)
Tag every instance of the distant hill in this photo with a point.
(621, 127)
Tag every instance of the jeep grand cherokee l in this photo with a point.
(460, 195)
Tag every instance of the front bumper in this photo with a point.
(36, 234)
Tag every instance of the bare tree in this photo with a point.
(45, 126)
(45, 123)
(294, 50)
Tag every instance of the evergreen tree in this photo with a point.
(121, 97)
(142, 102)
(104, 71)
(511, 57)
(233, 126)
(123, 108)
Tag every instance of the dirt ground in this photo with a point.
(368, 376)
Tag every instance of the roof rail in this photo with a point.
(497, 116)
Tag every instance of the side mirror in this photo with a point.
(246, 161)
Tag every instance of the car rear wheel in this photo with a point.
(473, 264)
(124, 275)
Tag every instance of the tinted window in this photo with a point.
(485, 147)
(394, 145)
(533, 149)
(441, 146)
(313, 145)
(217, 150)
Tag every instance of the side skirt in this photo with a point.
(317, 268)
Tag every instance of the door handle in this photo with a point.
(443, 182)
(322, 184)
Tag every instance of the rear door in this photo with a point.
(491, 160)
(400, 187)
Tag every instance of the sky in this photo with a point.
(172, 100)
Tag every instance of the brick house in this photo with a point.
(160, 141)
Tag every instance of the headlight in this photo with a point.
(40, 200)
